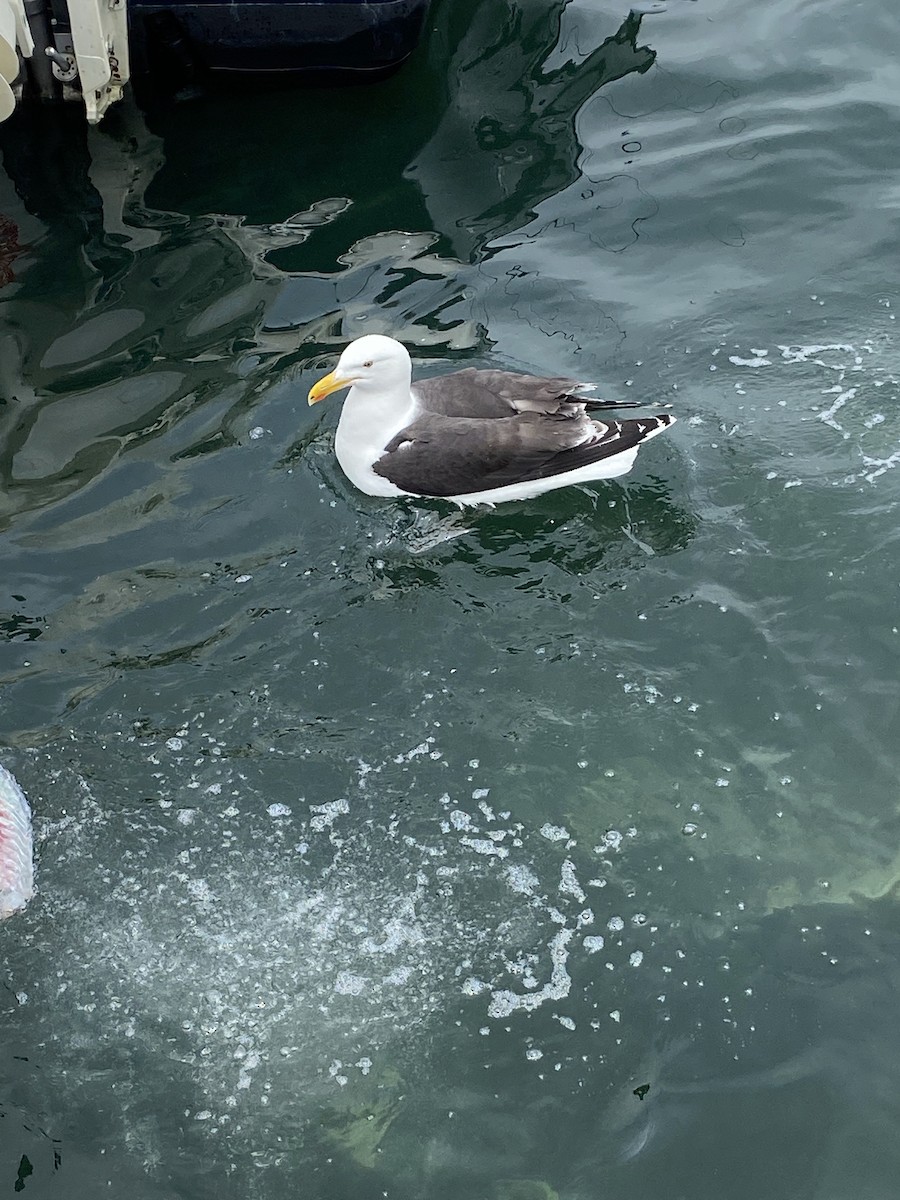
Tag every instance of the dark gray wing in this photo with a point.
(491, 394)
(440, 455)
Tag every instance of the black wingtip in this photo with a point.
(596, 405)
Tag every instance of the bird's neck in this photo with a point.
(377, 410)
(370, 418)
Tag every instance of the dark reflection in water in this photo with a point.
(106, 343)
(587, 532)
(482, 145)
(507, 140)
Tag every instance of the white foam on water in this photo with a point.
(568, 883)
(504, 1002)
(853, 388)
(736, 361)
(485, 846)
(265, 953)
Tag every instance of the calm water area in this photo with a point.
(556, 860)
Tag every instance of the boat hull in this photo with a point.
(184, 43)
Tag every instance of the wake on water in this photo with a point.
(247, 957)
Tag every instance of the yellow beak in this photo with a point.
(326, 385)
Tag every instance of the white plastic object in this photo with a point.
(16, 847)
(7, 100)
(9, 59)
(14, 31)
(23, 30)
(100, 42)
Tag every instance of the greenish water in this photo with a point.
(329, 826)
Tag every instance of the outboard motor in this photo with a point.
(63, 51)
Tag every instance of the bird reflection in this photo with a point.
(577, 533)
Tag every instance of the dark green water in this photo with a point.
(329, 829)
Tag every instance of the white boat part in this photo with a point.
(15, 39)
(100, 46)
(16, 847)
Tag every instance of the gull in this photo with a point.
(472, 436)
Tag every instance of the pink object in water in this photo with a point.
(16, 864)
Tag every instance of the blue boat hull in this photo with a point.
(185, 42)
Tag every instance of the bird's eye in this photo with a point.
(368, 364)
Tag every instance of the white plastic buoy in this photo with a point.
(15, 39)
(9, 58)
(16, 847)
(7, 100)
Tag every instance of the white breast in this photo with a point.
(366, 426)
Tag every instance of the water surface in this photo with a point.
(371, 869)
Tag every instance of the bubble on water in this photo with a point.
(554, 833)
(485, 846)
(348, 984)
(324, 815)
(569, 884)
(335, 1070)
(474, 987)
(611, 840)
(522, 879)
(504, 1002)
(757, 361)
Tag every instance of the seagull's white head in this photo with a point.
(373, 363)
